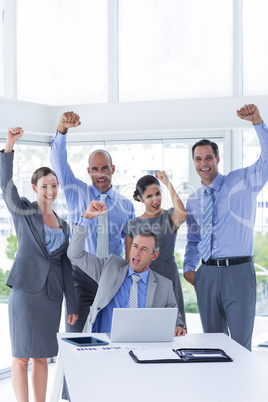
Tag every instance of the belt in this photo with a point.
(225, 262)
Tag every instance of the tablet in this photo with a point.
(85, 341)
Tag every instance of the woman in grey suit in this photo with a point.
(41, 273)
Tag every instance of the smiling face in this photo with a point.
(206, 163)
(47, 189)
(152, 198)
(142, 253)
(101, 170)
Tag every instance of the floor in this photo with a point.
(260, 335)
(6, 392)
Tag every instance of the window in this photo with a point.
(1, 51)
(251, 150)
(174, 49)
(62, 51)
(255, 39)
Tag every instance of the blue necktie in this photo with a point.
(207, 225)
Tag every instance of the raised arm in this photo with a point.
(179, 214)
(10, 193)
(251, 113)
(13, 135)
(59, 162)
(87, 262)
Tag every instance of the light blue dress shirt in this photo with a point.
(103, 321)
(79, 194)
(234, 211)
(54, 238)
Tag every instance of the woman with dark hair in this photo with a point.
(164, 223)
(40, 274)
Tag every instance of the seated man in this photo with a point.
(113, 275)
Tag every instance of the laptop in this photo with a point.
(143, 324)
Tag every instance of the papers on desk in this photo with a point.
(158, 355)
(101, 350)
(144, 355)
(179, 355)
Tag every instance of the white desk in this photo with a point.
(110, 377)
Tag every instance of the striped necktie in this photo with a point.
(207, 225)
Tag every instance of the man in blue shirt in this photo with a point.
(225, 283)
(114, 275)
(78, 195)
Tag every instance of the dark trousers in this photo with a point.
(226, 299)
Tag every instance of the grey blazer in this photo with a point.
(31, 267)
(110, 273)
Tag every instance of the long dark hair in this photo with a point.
(142, 184)
(41, 172)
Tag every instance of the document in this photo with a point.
(156, 354)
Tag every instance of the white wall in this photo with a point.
(132, 120)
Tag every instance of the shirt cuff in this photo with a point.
(83, 221)
(260, 127)
(188, 269)
(61, 138)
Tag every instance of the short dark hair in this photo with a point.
(41, 172)
(142, 184)
(101, 151)
(203, 142)
(149, 233)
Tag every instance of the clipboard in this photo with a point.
(191, 355)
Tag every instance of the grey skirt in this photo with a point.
(34, 321)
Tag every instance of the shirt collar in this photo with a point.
(144, 275)
(215, 184)
(96, 192)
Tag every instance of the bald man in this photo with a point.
(78, 195)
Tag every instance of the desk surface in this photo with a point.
(110, 376)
